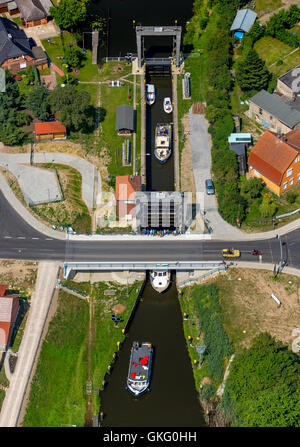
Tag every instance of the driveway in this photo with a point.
(201, 159)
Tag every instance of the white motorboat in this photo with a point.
(150, 94)
(163, 141)
(168, 108)
(160, 280)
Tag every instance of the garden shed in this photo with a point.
(125, 120)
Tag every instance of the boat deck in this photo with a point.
(139, 352)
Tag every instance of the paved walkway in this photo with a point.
(37, 185)
(40, 303)
(86, 169)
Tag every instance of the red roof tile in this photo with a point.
(271, 157)
(293, 139)
(126, 185)
(3, 288)
(49, 128)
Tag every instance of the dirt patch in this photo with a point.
(118, 68)
(264, 16)
(187, 176)
(249, 309)
(18, 275)
(205, 381)
(119, 308)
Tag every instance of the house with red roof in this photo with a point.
(126, 186)
(9, 308)
(276, 160)
(52, 130)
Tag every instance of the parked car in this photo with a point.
(209, 186)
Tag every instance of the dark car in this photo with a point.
(209, 186)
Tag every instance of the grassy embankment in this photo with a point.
(58, 394)
(71, 211)
(236, 305)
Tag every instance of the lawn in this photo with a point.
(271, 50)
(109, 139)
(290, 62)
(267, 6)
(58, 392)
(55, 50)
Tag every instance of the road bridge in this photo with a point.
(70, 267)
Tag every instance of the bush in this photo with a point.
(291, 197)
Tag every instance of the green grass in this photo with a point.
(58, 392)
(110, 99)
(290, 62)
(87, 72)
(267, 5)
(255, 222)
(271, 50)
(73, 211)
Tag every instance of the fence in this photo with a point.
(205, 275)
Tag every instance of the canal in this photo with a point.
(173, 400)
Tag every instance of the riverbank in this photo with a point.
(79, 353)
(225, 314)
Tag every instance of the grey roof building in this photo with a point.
(277, 108)
(243, 20)
(289, 83)
(13, 41)
(125, 119)
(31, 10)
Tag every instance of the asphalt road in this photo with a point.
(18, 240)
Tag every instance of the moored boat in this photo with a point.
(150, 94)
(160, 280)
(168, 105)
(163, 138)
(139, 372)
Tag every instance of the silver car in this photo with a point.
(209, 186)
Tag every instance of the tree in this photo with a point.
(11, 117)
(267, 207)
(253, 187)
(264, 385)
(251, 73)
(73, 56)
(37, 102)
(72, 106)
(69, 13)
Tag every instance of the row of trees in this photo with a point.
(217, 44)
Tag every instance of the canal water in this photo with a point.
(172, 401)
(160, 177)
(122, 38)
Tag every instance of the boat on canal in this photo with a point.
(139, 372)
(150, 94)
(168, 105)
(160, 280)
(163, 138)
